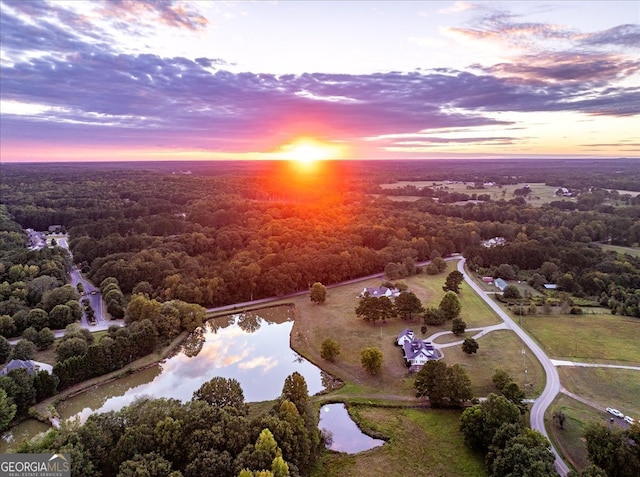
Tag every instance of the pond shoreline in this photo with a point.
(45, 410)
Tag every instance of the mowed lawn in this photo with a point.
(608, 387)
(599, 338)
(499, 349)
(420, 443)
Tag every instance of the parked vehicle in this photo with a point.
(615, 412)
(629, 419)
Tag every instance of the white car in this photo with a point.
(629, 419)
(615, 412)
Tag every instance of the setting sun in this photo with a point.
(308, 151)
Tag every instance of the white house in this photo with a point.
(416, 351)
(378, 292)
(404, 335)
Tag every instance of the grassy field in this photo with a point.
(589, 338)
(633, 251)
(618, 388)
(541, 193)
(415, 446)
(499, 349)
(569, 441)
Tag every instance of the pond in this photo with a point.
(345, 435)
(251, 347)
(25, 430)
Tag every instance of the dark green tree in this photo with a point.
(375, 308)
(500, 379)
(71, 347)
(480, 423)
(450, 305)
(7, 410)
(453, 282)
(434, 316)
(318, 293)
(613, 449)
(526, 455)
(45, 338)
(5, 350)
(443, 385)
(458, 326)
(470, 346)
(222, 392)
(511, 291)
(147, 465)
(329, 349)
(24, 349)
(407, 304)
(371, 360)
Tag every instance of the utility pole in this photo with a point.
(524, 365)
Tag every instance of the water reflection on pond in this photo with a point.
(250, 347)
(345, 435)
(25, 430)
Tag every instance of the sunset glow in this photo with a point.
(308, 151)
(204, 80)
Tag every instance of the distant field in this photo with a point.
(590, 338)
(618, 388)
(423, 443)
(541, 193)
(633, 251)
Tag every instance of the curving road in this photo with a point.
(552, 387)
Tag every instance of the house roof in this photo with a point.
(500, 283)
(550, 286)
(376, 291)
(406, 332)
(416, 347)
(18, 364)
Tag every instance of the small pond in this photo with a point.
(251, 347)
(345, 435)
(25, 430)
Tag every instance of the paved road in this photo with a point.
(561, 362)
(481, 332)
(552, 387)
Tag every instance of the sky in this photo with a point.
(114, 80)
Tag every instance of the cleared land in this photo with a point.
(569, 441)
(540, 193)
(609, 387)
(590, 338)
(415, 446)
(633, 251)
(336, 319)
(499, 349)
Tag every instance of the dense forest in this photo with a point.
(241, 232)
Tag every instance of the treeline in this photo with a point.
(211, 435)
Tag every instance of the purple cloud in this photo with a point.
(169, 12)
(621, 35)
